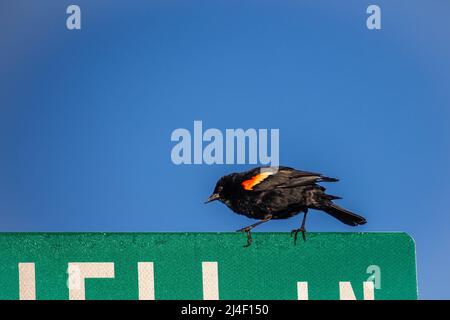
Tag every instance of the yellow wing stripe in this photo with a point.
(253, 181)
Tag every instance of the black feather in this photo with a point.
(343, 215)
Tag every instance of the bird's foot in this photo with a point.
(249, 235)
(295, 233)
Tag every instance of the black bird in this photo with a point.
(267, 193)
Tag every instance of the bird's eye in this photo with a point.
(219, 189)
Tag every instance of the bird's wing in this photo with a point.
(283, 178)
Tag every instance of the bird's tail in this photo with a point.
(343, 215)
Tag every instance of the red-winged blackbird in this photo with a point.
(267, 193)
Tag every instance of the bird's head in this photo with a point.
(223, 190)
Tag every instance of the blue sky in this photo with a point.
(86, 116)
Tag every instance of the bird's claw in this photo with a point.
(249, 236)
(295, 233)
(249, 243)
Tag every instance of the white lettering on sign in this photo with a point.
(302, 290)
(210, 281)
(346, 291)
(146, 281)
(27, 281)
(79, 271)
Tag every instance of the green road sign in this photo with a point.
(207, 266)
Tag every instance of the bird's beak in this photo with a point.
(213, 197)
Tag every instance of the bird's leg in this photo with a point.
(250, 227)
(301, 229)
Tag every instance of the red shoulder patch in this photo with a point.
(253, 181)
